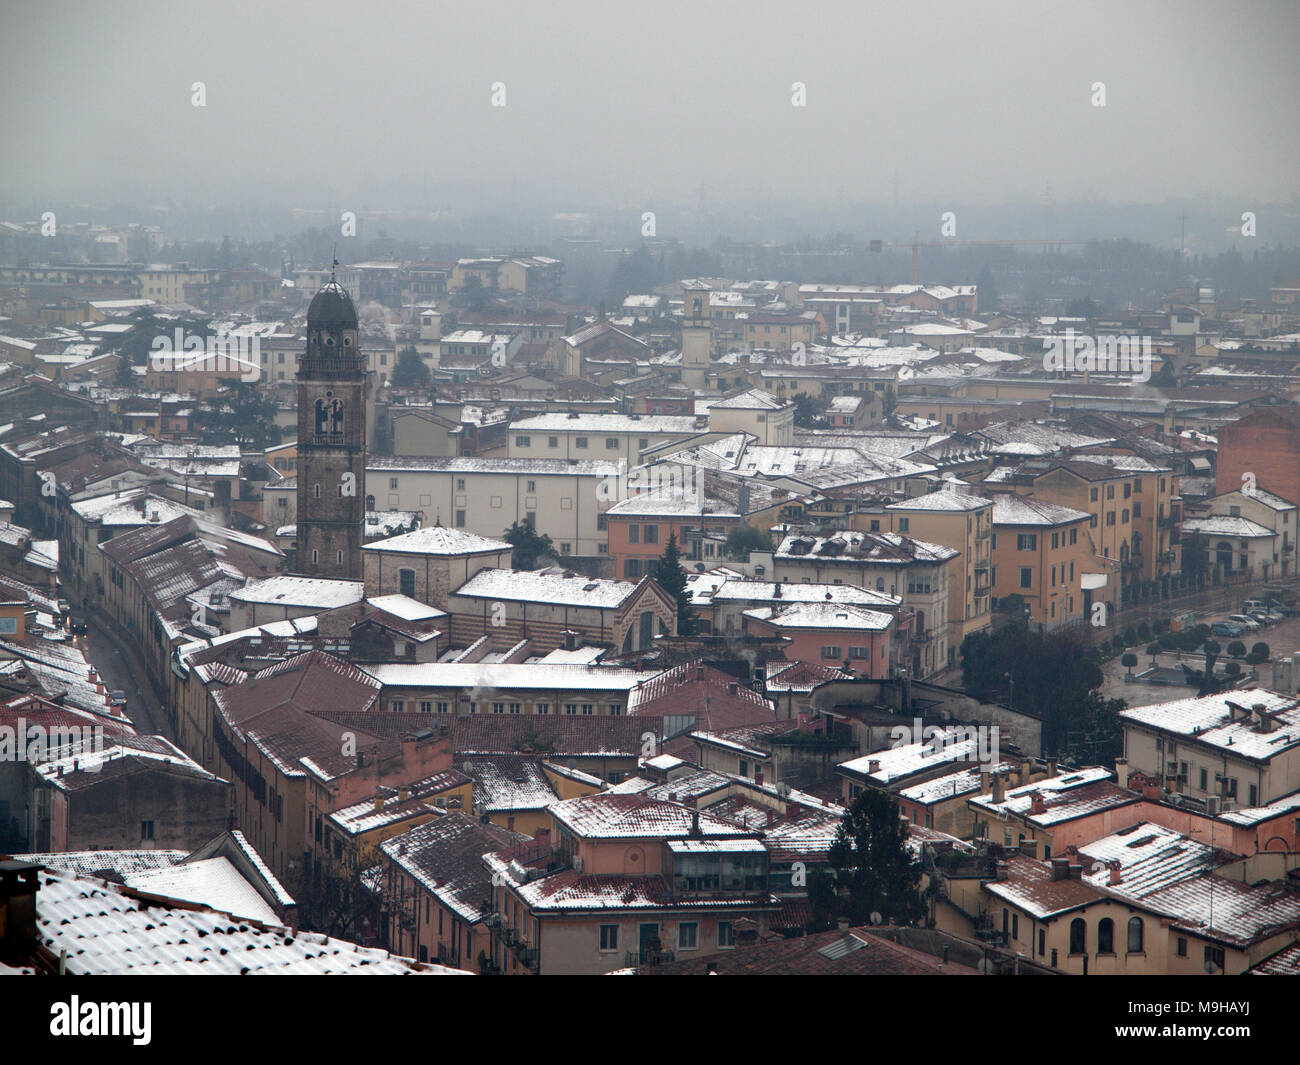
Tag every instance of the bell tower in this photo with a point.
(697, 337)
(333, 392)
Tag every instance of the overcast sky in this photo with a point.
(609, 104)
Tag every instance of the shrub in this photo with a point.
(1129, 660)
(1236, 649)
(1259, 652)
(1233, 669)
(1130, 636)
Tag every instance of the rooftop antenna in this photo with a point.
(335, 264)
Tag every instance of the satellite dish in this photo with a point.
(875, 917)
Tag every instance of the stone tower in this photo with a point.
(333, 391)
(697, 337)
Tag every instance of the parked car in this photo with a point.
(1280, 607)
(1272, 617)
(76, 623)
(1245, 621)
(1227, 628)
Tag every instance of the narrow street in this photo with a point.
(122, 673)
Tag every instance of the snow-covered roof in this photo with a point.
(212, 882)
(312, 592)
(1209, 720)
(439, 540)
(535, 587)
(105, 931)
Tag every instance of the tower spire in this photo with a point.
(334, 265)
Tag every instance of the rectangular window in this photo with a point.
(580, 441)
(1027, 542)
(516, 708)
(523, 441)
(611, 443)
(831, 654)
(532, 487)
(498, 708)
(725, 937)
(588, 709)
(146, 830)
(634, 534)
(571, 709)
(460, 519)
(652, 534)
(426, 707)
(609, 937)
(1026, 576)
(552, 441)
(444, 708)
(687, 935)
(903, 525)
(543, 708)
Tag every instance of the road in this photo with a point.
(123, 673)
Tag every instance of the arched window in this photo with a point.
(1078, 931)
(1105, 936)
(1135, 935)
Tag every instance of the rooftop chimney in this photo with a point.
(999, 789)
(1060, 868)
(1116, 872)
(1121, 771)
(1036, 803)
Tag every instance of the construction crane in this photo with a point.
(916, 244)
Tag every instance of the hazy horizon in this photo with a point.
(680, 109)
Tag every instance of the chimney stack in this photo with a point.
(758, 777)
(1121, 772)
(1116, 871)
(1060, 868)
(1036, 803)
(999, 791)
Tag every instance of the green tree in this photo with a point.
(410, 369)
(1055, 675)
(247, 418)
(1196, 557)
(1129, 661)
(874, 870)
(1236, 649)
(889, 401)
(1258, 653)
(672, 579)
(806, 415)
(745, 538)
(530, 548)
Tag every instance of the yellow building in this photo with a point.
(964, 522)
(1040, 553)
